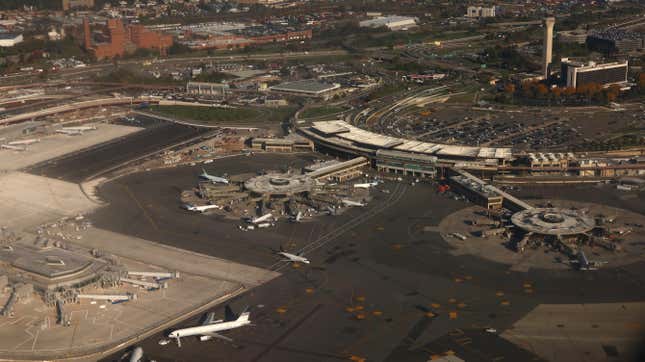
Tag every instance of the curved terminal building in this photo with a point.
(402, 155)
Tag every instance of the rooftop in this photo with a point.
(306, 86)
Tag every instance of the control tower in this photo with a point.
(547, 52)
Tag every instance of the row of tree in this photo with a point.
(585, 93)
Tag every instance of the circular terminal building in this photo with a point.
(553, 221)
(279, 185)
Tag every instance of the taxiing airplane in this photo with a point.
(69, 132)
(214, 179)
(210, 327)
(293, 258)
(200, 208)
(585, 264)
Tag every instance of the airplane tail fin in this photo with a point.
(229, 315)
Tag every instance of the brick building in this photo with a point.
(124, 40)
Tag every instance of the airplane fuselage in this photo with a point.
(211, 328)
(294, 258)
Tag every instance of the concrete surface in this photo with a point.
(27, 200)
(582, 332)
(59, 144)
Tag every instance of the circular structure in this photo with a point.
(279, 184)
(553, 221)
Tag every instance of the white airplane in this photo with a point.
(352, 203)
(24, 142)
(366, 185)
(136, 355)
(200, 208)
(210, 327)
(293, 258)
(297, 217)
(585, 264)
(69, 132)
(213, 179)
(15, 148)
(80, 128)
(262, 218)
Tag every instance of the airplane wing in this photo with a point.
(216, 335)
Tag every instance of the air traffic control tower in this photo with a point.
(547, 52)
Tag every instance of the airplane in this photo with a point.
(297, 217)
(80, 128)
(24, 142)
(366, 185)
(69, 132)
(209, 328)
(352, 203)
(15, 148)
(136, 355)
(200, 208)
(586, 264)
(293, 258)
(214, 179)
(262, 218)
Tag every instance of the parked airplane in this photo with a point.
(200, 208)
(293, 258)
(296, 218)
(69, 132)
(585, 264)
(80, 128)
(15, 148)
(352, 203)
(262, 218)
(366, 185)
(213, 179)
(136, 355)
(210, 327)
(24, 142)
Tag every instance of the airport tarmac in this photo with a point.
(77, 167)
(57, 145)
(376, 288)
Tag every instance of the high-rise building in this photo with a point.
(125, 40)
(547, 52)
(577, 74)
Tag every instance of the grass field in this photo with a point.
(228, 116)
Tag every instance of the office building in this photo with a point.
(480, 12)
(577, 73)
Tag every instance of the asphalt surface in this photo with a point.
(90, 162)
(373, 279)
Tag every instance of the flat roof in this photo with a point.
(306, 86)
(357, 136)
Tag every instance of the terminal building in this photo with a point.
(403, 155)
(339, 171)
(576, 74)
(282, 144)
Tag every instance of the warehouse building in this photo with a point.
(576, 74)
(394, 22)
